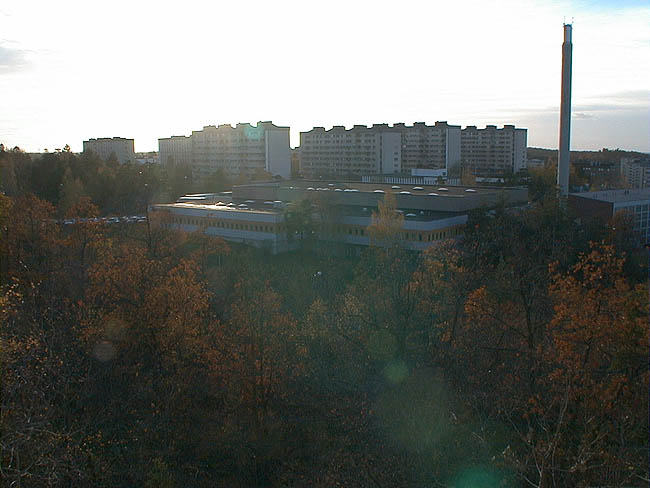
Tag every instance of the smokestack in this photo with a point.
(565, 114)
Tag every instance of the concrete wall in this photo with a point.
(278, 153)
(453, 152)
(391, 152)
(588, 208)
(176, 150)
(521, 142)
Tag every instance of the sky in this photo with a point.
(72, 70)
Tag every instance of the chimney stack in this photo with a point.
(565, 115)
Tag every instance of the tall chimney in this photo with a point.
(565, 114)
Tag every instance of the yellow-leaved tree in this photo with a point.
(386, 224)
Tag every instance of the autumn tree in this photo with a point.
(207, 250)
(263, 356)
(600, 351)
(300, 224)
(542, 182)
(147, 324)
(42, 365)
(443, 283)
(386, 226)
(72, 190)
(467, 176)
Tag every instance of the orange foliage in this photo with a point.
(600, 337)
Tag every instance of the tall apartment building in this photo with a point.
(104, 147)
(175, 150)
(431, 146)
(243, 150)
(380, 149)
(492, 152)
(636, 172)
(350, 153)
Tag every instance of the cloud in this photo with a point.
(624, 101)
(637, 96)
(12, 59)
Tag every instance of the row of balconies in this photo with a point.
(347, 161)
(211, 155)
(341, 148)
(340, 165)
(330, 154)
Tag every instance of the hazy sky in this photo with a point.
(73, 70)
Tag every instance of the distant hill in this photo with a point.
(550, 155)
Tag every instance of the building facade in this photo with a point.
(341, 153)
(242, 151)
(492, 152)
(106, 147)
(634, 204)
(431, 147)
(361, 151)
(535, 164)
(597, 174)
(175, 151)
(417, 176)
(636, 172)
(380, 149)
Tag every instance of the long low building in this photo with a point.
(342, 212)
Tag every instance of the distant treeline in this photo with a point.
(604, 155)
(62, 177)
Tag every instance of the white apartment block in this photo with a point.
(349, 153)
(492, 152)
(175, 150)
(636, 172)
(240, 151)
(104, 147)
(379, 149)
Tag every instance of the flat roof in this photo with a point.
(615, 196)
(445, 198)
(222, 208)
(396, 188)
(259, 207)
(399, 126)
(409, 214)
